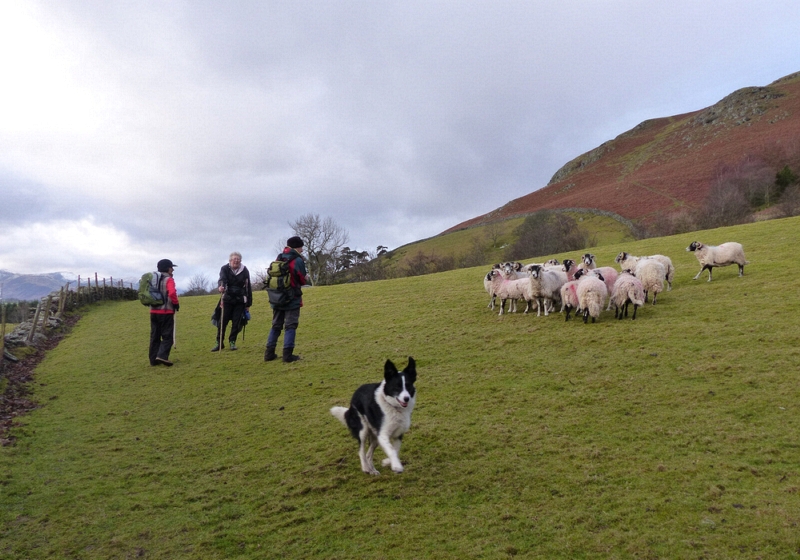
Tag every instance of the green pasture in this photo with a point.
(673, 436)
(493, 239)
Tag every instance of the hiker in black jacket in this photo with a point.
(288, 315)
(237, 297)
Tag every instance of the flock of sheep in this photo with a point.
(587, 289)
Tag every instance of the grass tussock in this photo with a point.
(672, 436)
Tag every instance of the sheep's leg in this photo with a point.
(696, 276)
(502, 306)
(586, 316)
(634, 311)
(569, 308)
(655, 295)
(741, 270)
(709, 272)
(545, 305)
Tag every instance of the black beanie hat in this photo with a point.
(164, 265)
(294, 242)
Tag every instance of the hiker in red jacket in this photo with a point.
(162, 317)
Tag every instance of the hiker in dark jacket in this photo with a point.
(237, 297)
(288, 315)
(162, 317)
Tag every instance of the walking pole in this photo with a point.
(174, 332)
(221, 319)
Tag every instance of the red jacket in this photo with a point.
(170, 297)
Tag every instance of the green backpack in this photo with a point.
(149, 291)
(279, 282)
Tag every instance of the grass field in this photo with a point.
(603, 230)
(672, 436)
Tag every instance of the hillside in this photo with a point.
(672, 436)
(666, 164)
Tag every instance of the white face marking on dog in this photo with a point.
(404, 394)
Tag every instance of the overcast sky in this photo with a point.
(134, 131)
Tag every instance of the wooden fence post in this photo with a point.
(61, 297)
(35, 321)
(47, 310)
(3, 333)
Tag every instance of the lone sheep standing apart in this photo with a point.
(710, 256)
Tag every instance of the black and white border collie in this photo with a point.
(380, 413)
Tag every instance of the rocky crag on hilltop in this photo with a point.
(669, 164)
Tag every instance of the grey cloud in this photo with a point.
(397, 119)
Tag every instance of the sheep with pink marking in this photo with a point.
(626, 260)
(507, 286)
(592, 294)
(608, 273)
(569, 297)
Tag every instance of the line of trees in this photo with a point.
(18, 311)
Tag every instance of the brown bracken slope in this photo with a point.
(668, 164)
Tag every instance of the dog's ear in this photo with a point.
(389, 370)
(411, 369)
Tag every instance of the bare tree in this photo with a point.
(324, 240)
(494, 230)
(198, 285)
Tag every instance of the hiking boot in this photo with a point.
(216, 348)
(232, 345)
(270, 354)
(164, 361)
(288, 355)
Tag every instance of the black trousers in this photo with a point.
(162, 328)
(231, 312)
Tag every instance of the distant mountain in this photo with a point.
(27, 287)
(669, 164)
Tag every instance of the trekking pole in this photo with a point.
(174, 332)
(221, 318)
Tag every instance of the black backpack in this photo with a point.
(279, 282)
